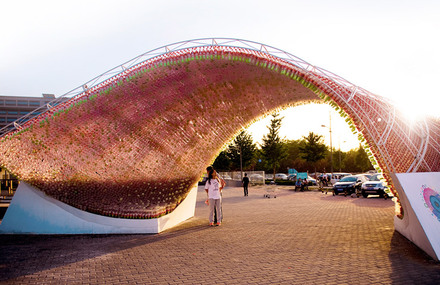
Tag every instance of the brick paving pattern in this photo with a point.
(296, 238)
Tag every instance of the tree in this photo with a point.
(293, 157)
(313, 149)
(222, 162)
(357, 161)
(272, 148)
(362, 162)
(350, 161)
(243, 145)
(340, 157)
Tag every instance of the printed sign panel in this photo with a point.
(423, 192)
(302, 175)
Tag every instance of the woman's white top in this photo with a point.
(213, 189)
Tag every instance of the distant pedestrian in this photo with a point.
(320, 185)
(298, 184)
(213, 188)
(245, 182)
(324, 181)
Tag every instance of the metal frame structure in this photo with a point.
(175, 47)
(417, 151)
(382, 128)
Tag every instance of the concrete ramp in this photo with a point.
(33, 212)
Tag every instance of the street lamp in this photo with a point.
(340, 154)
(331, 146)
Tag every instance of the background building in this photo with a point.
(15, 107)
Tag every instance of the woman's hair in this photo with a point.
(210, 171)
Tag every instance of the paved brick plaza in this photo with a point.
(297, 238)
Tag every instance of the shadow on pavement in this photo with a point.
(26, 254)
(407, 261)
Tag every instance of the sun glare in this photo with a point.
(416, 110)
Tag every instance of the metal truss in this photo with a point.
(376, 116)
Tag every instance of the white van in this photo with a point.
(280, 176)
(338, 176)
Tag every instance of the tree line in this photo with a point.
(274, 155)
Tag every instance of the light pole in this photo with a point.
(241, 164)
(331, 146)
(340, 154)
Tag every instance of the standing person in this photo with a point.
(213, 188)
(304, 185)
(320, 186)
(245, 182)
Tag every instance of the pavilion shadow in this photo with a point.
(26, 254)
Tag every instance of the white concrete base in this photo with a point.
(418, 225)
(33, 212)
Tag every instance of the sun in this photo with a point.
(418, 109)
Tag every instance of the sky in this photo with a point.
(317, 118)
(388, 47)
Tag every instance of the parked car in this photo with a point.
(349, 184)
(374, 186)
(291, 177)
(338, 176)
(237, 176)
(226, 177)
(256, 178)
(369, 175)
(311, 181)
(280, 176)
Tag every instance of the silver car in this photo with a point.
(374, 187)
